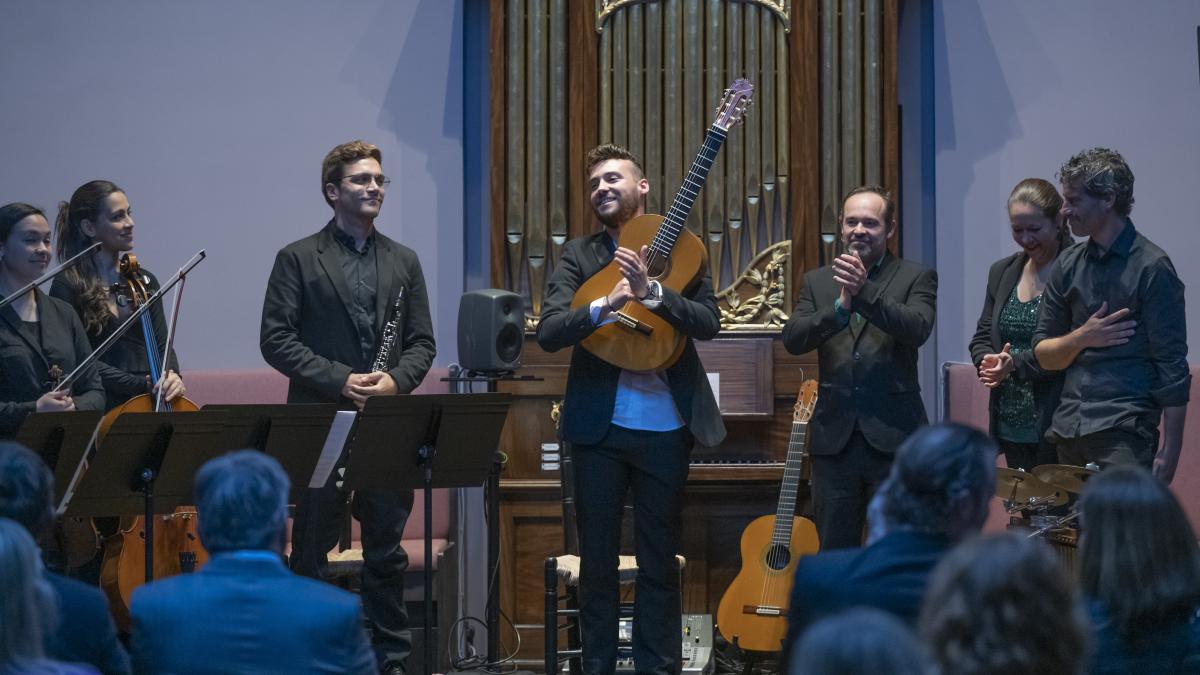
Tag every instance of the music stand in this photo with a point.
(426, 441)
(292, 434)
(146, 463)
(62, 440)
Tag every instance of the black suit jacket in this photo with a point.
(889, 575)
(86, 633)
(307, 332)
(24, 365)
(1047, 385)
(869, 372)
(592, 383)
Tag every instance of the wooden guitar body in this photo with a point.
(651, 343)
(753, 611)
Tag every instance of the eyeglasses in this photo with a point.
(365, 179)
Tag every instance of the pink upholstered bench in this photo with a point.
(265, 385)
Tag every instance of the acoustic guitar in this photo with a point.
(753, 611)
(639, 339)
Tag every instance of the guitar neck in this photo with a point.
(791, 484)
(685, 198)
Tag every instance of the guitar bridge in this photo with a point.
(633, 324)
(762, 610)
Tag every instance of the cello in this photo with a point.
(176, 542)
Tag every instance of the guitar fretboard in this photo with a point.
(782, 534)
(685, 198)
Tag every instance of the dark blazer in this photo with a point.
(247, 615)
(123, 368)
(24, 365)
(869, 372)
(1047, 385)
(307, 332)
(889, 575)
(86, 633)
(592, 383)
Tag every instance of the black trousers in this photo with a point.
(655, 466)
(381, 515)
(842, 487)
(1109, 447)
(1027, 455)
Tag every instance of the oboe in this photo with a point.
(388, 341)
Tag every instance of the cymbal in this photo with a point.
(1027, 486)
(1065, 476)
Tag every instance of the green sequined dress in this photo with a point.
(1016, 418)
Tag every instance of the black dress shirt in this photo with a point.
(1124, 387)
(362, 278)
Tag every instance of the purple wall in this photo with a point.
(1019, 87)
(215, 116)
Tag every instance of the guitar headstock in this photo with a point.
(806, 402)
(734, 103)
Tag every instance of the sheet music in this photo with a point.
(339, 431)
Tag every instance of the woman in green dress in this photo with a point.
(1023, 396)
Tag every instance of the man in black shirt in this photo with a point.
(328, 300)
(1113, 317)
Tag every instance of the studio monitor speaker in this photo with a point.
(491, 330)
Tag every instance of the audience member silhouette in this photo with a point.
(84, 631)
(1003, 604)
(1140, 573)
(936, 494)
(244, 611)
(860, 641)
(26, 607)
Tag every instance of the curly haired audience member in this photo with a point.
(1003, 604)
(1140, 572)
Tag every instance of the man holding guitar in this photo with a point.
(629, 429)
(866, 315)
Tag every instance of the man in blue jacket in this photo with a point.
(244, 611)
(936, 494)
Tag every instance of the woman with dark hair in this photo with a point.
(1023, 395)
(862, 641)
(41, 339)
(99, 211)
(1003, 604)
(1140, 572)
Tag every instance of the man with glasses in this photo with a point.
(328, 299)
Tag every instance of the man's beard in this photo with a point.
(628, 207)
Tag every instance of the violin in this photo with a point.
(75, 541)
(177, 547)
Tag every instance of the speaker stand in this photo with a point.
(493, 380)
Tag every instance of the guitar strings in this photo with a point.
(668, 232)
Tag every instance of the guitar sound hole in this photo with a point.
(657, 266)
(778, 557)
